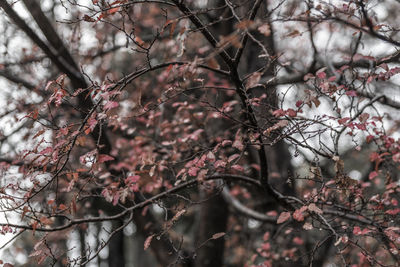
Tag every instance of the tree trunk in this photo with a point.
(213, 219)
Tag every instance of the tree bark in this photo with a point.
(213, 219)
(116, 255)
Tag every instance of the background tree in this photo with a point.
(200, 133)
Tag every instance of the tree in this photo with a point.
(200, 133)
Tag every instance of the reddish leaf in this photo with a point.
(148, 242)
(219, 164)
(218, 235)
(372, 175)
(369, 138)
(34, 226)
(238, 144)
(39, 133)
(283, 217)
(233, 157)
(47, 150)
(193, 171)
(110, 105)
(278, 113)
(357, 230)
(291, 112)
(312, 207)
(238, 168)
(298, 214)
(88, 18)
(112, 10)
(226, 142)
(393, 212)
(343, 120)
(103, 158)
(351, 93)
(321, 75)
(298, 241)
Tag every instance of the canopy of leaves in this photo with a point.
(199, 133)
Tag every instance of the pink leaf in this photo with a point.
(308, 76)
(226, 142)
(233, 157)
(392, 212)
(116, 198)
(351, 93)
(148, 242)
(283, 217)
(266, 236)
(237, 168)
(110, 105)
(211, 156)
(357, 230)
(132, 179)
(312, 207)
(298, 215)
(369, 138)
(396, 157)
(278, 113)
(193, 171)
(291, 112)
(238, 144)
(298, 241)
(218, 235)
(372, 175)
(113, 10)
(321, 75)
(343, 120)
(219, 164)
(47, 150)
(103, 158)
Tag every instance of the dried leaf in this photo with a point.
(253, 80)
(217, 235)
(178, 215)
(293, 34)
(213, 63)
(244, 24)
(88, 18)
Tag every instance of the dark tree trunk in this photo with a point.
(213, 219)
(116, 255)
